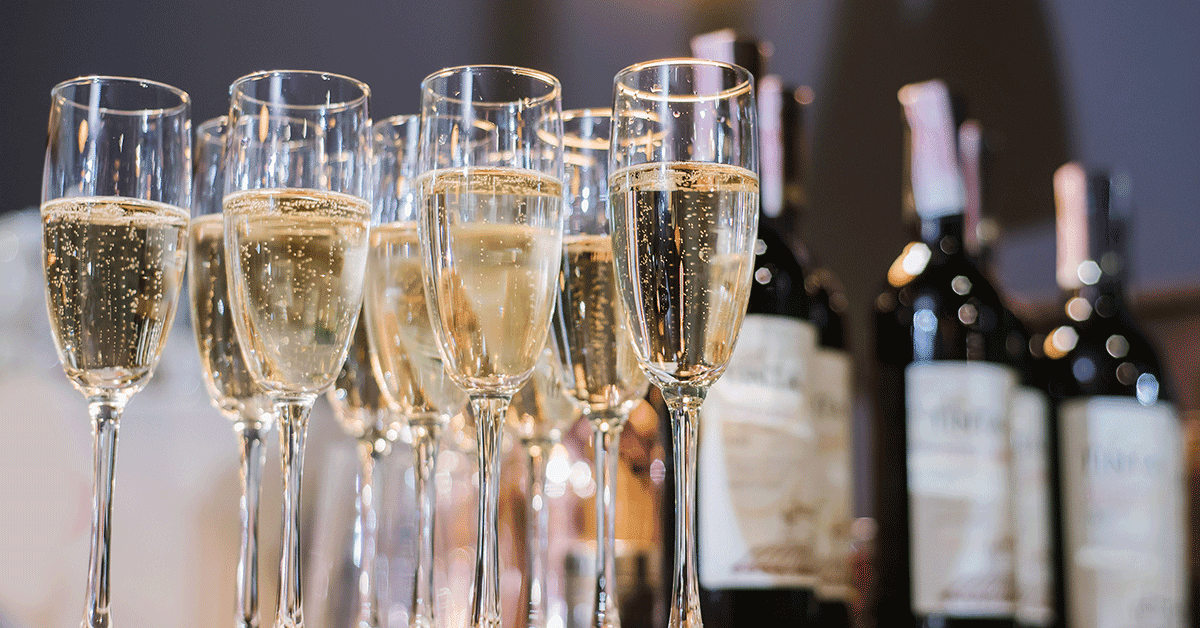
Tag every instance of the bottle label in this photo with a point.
(1031, 506)
(756, 500)
(1124, 519)
(958, 481)
(830, 386)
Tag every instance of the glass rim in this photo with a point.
(185, 100)
(586, 112)
(744, 85)
(572, 140)
(236, 93)
(545, 77)
(396, 120)
(204, 130)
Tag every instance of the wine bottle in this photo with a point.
(757, 504)
(1120, 449)
(830, 385)
(1029, 416)
(830, 376)
(944, 386)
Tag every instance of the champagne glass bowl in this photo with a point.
(490, 200)
(683, 188)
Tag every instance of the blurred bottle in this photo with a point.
(1120, 462)
(830, 382)
(757, 514)
(1029, 414)
(944, 542)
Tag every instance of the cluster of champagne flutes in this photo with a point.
(490, 240)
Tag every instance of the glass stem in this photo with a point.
(607, 440)
(366, 530)
(537, 534)
(425, 449)
(106, 417)
(254, 456)
(684, 403)
(293, 421)
(485, 591)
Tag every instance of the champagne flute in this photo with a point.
(683, 190)
(598, 349)
(491, 234)
(365, 413)
(537, 416)
(117, 177)
(405, 352)
(296, 225)
(229, 385)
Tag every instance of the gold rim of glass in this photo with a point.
(208, 131)
(571, 140)
(394, 121)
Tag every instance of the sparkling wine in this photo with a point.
(407, 361)
(692, 271)
(496, 299)
(596, 336)
(298, 259)
(113, 268)
(226, 377)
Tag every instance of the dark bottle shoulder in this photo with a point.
(943, 285)
(1021, 352)
(1105, 356)
(827, 307)
(777, 283)
(971, 321)
(942, 279)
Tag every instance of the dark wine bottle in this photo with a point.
(1119, 460)
(830, 376)
(756, 503)
(944, 385)
(831, 391)
(1029, 416)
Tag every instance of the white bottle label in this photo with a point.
(830, 386)
(958, 482)
(1124, 520)
(1031, 506)
(756, 512)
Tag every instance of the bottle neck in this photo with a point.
(1091, 266)
(943, 235)
(1091, 228)
(1104, 299)
(983, 259)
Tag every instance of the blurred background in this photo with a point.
(1107, 82)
